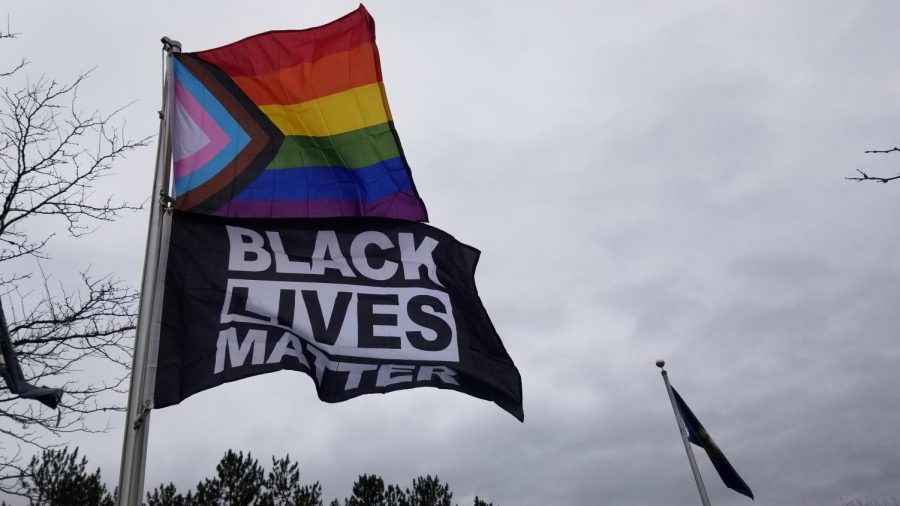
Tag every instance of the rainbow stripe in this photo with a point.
(290, 124)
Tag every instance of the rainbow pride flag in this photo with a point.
(290, 123)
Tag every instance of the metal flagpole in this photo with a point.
(684, 436)
(140, 397)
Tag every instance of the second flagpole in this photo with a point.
(704, 499)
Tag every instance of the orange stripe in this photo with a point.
(308, 81)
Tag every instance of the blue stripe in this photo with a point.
(366, 184)
(232, 129)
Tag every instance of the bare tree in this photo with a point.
(52, 155)
(865, 177)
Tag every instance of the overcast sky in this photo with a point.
(645, 180)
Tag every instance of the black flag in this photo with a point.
(12, 373)
(697, 434)
(360, 305)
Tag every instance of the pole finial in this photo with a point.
(170, 45)
(660, 363)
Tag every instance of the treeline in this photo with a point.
(61, 478)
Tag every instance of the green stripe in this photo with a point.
(353, 150)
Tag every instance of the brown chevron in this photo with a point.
(265, 140)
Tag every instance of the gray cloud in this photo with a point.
(645, 180)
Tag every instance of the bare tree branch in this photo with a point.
(8, 34)
(77, 336)
(884, 151)
(16, 68)
(865, 177)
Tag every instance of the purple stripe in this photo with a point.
(403, 206)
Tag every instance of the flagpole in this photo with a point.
(140, 398)
(704, 499)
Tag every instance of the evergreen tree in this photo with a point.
(395, 496)
(167, 495)
(58, 478)
(429, 491)
(368, 490)
(239, 481)
(282, 486)
(309, 495)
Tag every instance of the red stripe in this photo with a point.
(271, 51)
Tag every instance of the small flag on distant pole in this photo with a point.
(12, 372)
(692, 431)
(698, 435)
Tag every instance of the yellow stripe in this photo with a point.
(341, 112)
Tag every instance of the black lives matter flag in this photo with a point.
(360, 305)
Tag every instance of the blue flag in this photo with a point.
(697, 434)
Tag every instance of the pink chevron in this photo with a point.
(218, 139)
